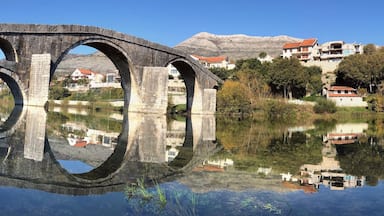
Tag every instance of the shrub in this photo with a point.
(233, 97)
(324, 106)
(279, 111)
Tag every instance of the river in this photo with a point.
(72, 162)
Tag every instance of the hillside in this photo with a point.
(234, 46)
(97, 62)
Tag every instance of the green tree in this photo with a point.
(56, 92)
(288, 75)
(314, 83)
(366, 70)
(262, 55)
(252, 64)
(222, 73)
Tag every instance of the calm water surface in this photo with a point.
(71, 162)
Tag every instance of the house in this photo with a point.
(214, 62)
(345, 96)
(304, 50)
(337, 50)
(86, 74)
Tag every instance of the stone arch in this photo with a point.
(114, 52)
(9, 51)
(189, 75)
(14, 84)
(13, 121)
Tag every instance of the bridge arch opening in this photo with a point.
(181, 84)
(8, 52)
(11, 100)
(97, 72)
(108, 65)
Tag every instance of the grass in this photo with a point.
(312, 98)
(138, 190)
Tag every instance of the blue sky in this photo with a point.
(170, 22)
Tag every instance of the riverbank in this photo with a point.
(116, 105)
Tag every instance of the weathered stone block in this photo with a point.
(39, 79)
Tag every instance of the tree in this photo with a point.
(254, 81)
(57, 92)
(252, 63)
(288, 75)
(222, 73)
(365, 70)
(352, 71)
(233, 97)
(314, 83)
(369, 49)
(262, 55)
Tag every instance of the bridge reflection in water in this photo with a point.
(28, 159)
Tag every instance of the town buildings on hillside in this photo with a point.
(310, 50)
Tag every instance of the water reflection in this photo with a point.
(116, 151)
(80, 153)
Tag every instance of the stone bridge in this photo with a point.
(33, 52)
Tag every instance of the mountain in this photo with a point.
(237, 46)
(97, 62)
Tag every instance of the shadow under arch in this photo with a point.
(14, 84)
(9, 52)
(13, 120)
(117, 56)
(186, 152)
(188, 75)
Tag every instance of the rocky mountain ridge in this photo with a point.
(237, 46)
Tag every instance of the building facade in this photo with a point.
(304, 50)
(214, 62)
(345, 96)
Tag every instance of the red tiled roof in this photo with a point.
(342, 142)
(308, 42)
(80, 143)
(216, 59)
(291, 45)
(305, 188)
(342, 95)
(86, 71)
(336, 88)
(304, 43)
(343, 134)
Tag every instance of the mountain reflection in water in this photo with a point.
(253, 169)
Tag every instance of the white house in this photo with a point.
(345, 96)
(87, 74)
(304, 50)
(214, 62)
